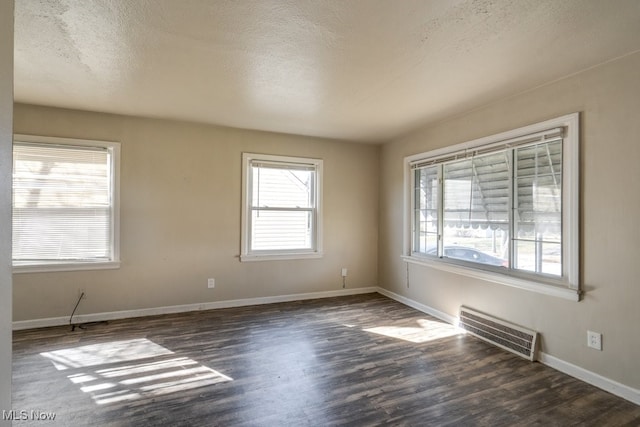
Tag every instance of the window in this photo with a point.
(65, 204)
(281, 218)
(502, 208)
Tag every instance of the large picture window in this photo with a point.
(503, 207)
(65, 196)
(281, 216)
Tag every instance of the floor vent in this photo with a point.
(508, 336)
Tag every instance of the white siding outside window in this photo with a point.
(282, 212)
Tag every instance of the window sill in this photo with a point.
(553, 288)
(280, 256)
(51, 268)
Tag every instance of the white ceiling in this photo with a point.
(362, 70)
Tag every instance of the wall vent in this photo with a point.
(513, 338)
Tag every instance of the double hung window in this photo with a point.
(282, 200)
(505, 205)
(65, 210)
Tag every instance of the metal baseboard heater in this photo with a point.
(510, 337)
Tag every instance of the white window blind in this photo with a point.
(63, 204)
(548, 135)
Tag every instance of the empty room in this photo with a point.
(310, 213)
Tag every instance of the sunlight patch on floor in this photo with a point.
(100, 354)
(426, 330)
(120, 371)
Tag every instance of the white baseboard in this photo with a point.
(420, 307)
(124, 314)
(628, 393)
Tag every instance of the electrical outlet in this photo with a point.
(211, 283)
(594, 340)
(344, 272)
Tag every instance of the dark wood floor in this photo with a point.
(360, 360)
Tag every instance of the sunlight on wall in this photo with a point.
(107, 373)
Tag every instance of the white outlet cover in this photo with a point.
(344, 272)
(211, 283)
(594, 340)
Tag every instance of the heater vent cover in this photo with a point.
(513, 338)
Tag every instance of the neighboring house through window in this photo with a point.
(281, 217)
(65, 204)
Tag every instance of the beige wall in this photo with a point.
(608, 98)
(6, 113)
(180, 217)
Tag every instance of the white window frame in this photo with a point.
(247, 254)
(114, 262)
(568, 285)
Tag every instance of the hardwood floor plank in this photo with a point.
(361, 360)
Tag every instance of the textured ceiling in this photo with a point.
(362, 70)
